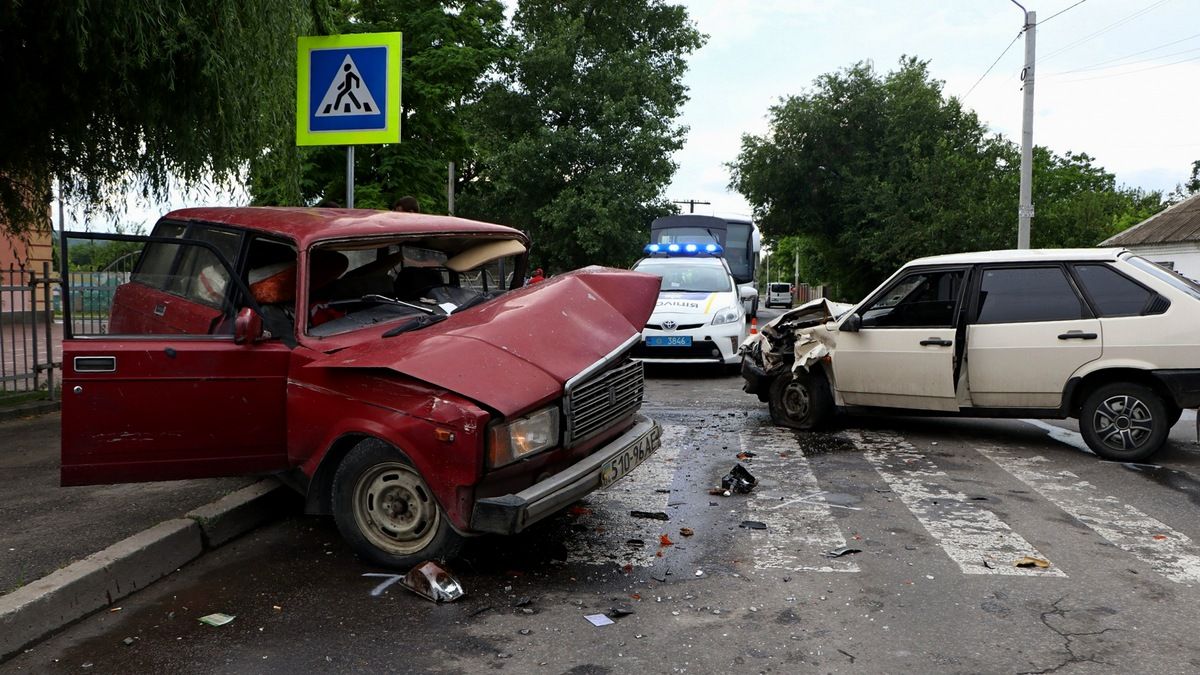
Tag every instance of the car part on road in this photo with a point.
(1124, 422)
(686, 531)
(653, 515)
(738, 480)
(598, 620)
(217, 619)
(1029, 561)
(839, 552)
(433, 582)
(386, 512)
(753, 525)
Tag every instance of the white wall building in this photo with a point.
(1170, 237)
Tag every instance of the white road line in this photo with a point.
(1071, 438)
(969, 533)
(1168, 552)
(800, 525)
(635, 492)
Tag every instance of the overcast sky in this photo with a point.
(1137, 116)
(1118, 79)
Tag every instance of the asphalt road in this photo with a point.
(938, 510)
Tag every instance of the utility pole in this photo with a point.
(349, 176)
(692, 203)
(796, 271)
(1025, 209)
(450, 189)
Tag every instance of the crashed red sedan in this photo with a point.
(387, 365)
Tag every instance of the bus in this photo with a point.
(739, 238)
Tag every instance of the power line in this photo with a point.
(1099, 65)
(1042, 23)
(1131, 72)
(1102, 31)
(1124, 65)
(985, 73)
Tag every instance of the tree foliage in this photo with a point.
(126, 94)
(449, 45)
(870, 171)
(575, 134)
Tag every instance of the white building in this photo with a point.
(1170, 237)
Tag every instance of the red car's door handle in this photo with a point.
(95, 364)
(1077, 335)
(936, 341)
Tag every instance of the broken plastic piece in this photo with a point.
(664, 540)
(598, 620)
(686, 531)
(1029, 561)
(753, 525)
(655, 515)
(635, 543)
(746, 454)
(619, 611)
(217, 619)
(739, 480)
(433, 582)
(839, 552)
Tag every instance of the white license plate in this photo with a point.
(615, 468)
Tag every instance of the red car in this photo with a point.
(387, 365)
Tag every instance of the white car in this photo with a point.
(699, 316)
(1101, 335)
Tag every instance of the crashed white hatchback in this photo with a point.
(1098, 334)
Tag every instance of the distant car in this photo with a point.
(779, 294)
(1098, 334)
(384, 364)
(699, 316)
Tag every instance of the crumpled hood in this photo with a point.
(516, 352)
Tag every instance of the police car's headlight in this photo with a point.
(727, 315)
(522, 437)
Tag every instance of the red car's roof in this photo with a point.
(308, 225)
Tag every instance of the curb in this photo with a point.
(39, 608)
(29, 410)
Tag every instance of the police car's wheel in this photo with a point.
(385, 510)
(801, 400)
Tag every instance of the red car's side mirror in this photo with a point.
(247, 327)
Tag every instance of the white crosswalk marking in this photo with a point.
(973, 536)
(1168, 552)
(800, 527)
(635, 492)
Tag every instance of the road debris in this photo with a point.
(1029, 561)
(686, 531)
(217, 619)
(635, 543)
(433, 582)
(620, 611)
(738, 480)
(753, 525)
(524, 601)
(746, 455)
(127, 641)
(653, 515)
(664, 540)
(598, 620)
(839, 552)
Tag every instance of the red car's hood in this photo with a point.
(516, 352)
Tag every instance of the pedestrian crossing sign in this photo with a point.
(348, 89)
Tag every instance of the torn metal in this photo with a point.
(799, 338)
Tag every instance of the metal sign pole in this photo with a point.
(349, 176)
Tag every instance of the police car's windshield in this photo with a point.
(688, 277)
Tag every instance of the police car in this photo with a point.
(699, 316)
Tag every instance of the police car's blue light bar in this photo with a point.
(683, 249)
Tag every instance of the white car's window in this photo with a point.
(694, 278)
(1170, 276)
(1019, 295)
(923, 299)
(1112, 293)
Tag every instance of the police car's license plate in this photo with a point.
(669, 341)
(623, 463)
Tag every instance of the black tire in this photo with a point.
(386, 511)
(1174, 412)
(801, 401)
(1124, 422)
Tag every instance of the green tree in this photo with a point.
(576, 133)
(449, 45)
(870, 171)
(113, 96)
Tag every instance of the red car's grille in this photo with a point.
(593, 406)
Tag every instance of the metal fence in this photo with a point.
(30, 337)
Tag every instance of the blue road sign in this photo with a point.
(348, 89)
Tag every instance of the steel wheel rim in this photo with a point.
(1123, 422)
(796, 401)
(394, 509)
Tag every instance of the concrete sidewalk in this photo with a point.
(65, 552)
